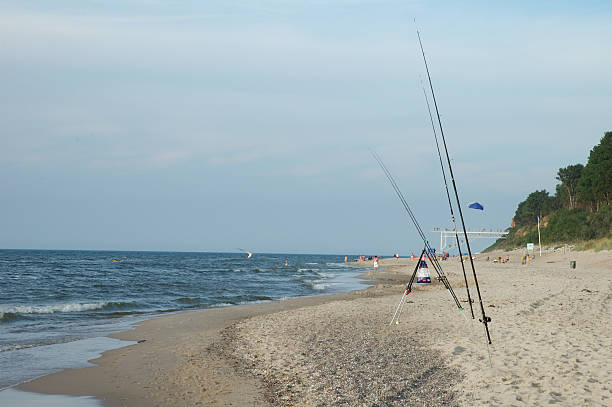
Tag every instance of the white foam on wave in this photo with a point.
(11, 346)
(50, 309)
(16, 346)
(220, 305)
(319, 286)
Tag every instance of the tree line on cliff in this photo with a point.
(580, 209)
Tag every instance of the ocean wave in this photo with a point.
(255, 270)
(317, 285)
(188, 300)
(119, 314)
(343, 265)
(19, 346)
(8, 316)
(60, 308)
(221, 304)
(248, 298)
(314, 271)
(262, 298)
(10, 346)
(252, 301)
(16, 346)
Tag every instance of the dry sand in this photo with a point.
(551, 332)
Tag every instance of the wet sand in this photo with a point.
(551, 332)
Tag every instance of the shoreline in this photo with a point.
(91, 381)
(550, 338)
(30, 350)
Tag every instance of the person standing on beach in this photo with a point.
(375, 263)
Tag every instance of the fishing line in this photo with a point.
(485, 320)
(428, 250)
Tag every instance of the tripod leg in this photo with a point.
(398, 307)
(402, 308)
(416, 268)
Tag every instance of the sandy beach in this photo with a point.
(551, 333)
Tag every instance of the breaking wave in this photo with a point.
(318, 285)
(9, 311)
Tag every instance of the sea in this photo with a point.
(56, 306)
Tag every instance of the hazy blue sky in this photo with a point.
(208, 126)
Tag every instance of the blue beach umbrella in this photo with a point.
(476, 205)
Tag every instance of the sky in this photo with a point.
(218, 125)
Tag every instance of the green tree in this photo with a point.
(569, 177)
(566, 225)
(595, 185)
(538, 203)
(580, 210)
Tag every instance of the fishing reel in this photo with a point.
(486, 320)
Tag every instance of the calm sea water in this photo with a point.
(56, 306)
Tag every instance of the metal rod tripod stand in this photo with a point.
(440, 277)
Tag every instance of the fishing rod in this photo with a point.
(485, 320)
(450, 205)
(428, 249)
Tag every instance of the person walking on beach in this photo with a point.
(375, 263)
